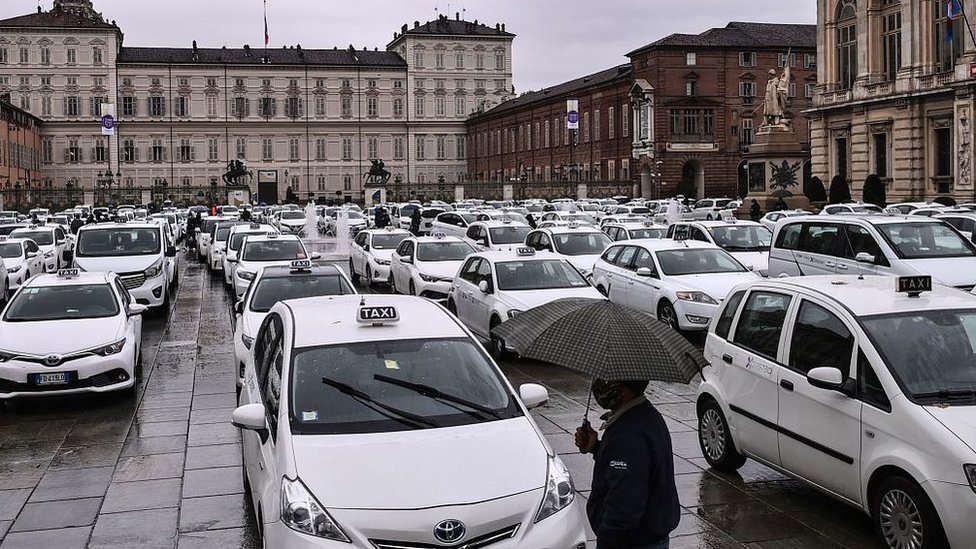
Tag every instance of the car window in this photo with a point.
(484, 273)
(643, 259)
(698, 234)
(271, 390)
(681, 232)
(470, 270)
(126, 297)
(819, 238)
(724, 323)
(860, 240)
(74, 301)
(789, 236)
(473, 232)
(266, 336)
(761, 323)
(402, 249)
(925, 240)
(626, 256)
(820, 339)
(869, 388)
(611, 254)
(271, 290)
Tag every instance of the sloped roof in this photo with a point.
(255, 56)
(445, 25)
(56, 19)
(620, 72)
(739, 34)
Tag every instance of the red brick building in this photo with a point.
(20, 148)
(683, 110)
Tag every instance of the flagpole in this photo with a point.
(965, 18)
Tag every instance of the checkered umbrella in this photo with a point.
(602, 339)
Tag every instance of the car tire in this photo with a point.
(496, 345)
(901, 511)
(413, 288)
(715, 439)
(667, 315)
(708, 217)
(352, 271)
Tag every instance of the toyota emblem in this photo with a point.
(52, 360)
(449, 531)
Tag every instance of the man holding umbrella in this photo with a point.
(634, 501)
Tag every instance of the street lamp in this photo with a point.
(398, 180)
(656, 178)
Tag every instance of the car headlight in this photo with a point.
(696, 297)
(301, 512)
(155, 269)
(110, 349)
(6, 356)
(970, 471)
(381, 261)
(559, 490)
(512, 313)
(14, 269)
(246, 275)
(49, 255)
(429, 278)
(247, 341)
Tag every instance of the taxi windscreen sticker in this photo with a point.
(310, 416)
(391, 364)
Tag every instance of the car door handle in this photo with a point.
(786, 384)
(830, 264)
(727, 359)
(842, 267)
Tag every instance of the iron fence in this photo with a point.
(521, 190)
(22, 200)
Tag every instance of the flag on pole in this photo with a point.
(953, 10)
(267, 37)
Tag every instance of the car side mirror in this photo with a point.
(251, 417)
(365, 247)
(533, 395)
(483, 240)
(136, 309)
(315, 256)
(406, 259)
(645, 272)
(864, 257)
(170, 251)
(830, 379)
(484, 287)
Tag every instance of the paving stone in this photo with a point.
(218, 455)
(213, 482)
(141, 495)
(215, 433)
(154, 529)
(64, 538)
(11, 501)
(162, 414)
(4, 526)
(73, 484)
(215, 415)
(213, 513)
(149, 467)
(57, 514)
(95, 455)
(86, 433)
(230, 538)
(159, 429)
(154, 445)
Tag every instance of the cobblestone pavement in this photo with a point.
(164, 470)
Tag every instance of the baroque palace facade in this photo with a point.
(308, 119)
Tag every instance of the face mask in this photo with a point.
(607, 395)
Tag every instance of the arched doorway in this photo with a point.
(692, 180)
(646, 182)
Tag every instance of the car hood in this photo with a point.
(125, 264)
(441, 269)
(950, 271)
(293, 222)
(716, 285)
(72, 335)
(382, 254)
(960, 420)
(524, 300)
(430, 467)
(758, 260)
(253, 266)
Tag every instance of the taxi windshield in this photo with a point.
(548, 274)
(41, 238)
(589, 243)
(222, 233)
(510, 216)
(292, 215)
(273, 250)
(742, 238)
(10, 250)
(379, 370)
(62, 303)
(931, 353)
(579, 218)
(388, 241)
(925, 240)
(281, 288)
(509, 235)
(694, 261)
(238, 238)
(118, 241)
(443, 251)
(652, 232)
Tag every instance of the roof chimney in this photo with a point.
(503, 27)
(404, 28)
(416, 24)
(457, 16)
(498, 27)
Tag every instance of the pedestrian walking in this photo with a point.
(76, 223)
(633, 503)
(415, 222)
(531, 219)
(755, 212)
(245, 215)
(382, 219)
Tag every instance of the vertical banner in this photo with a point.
(572, 114)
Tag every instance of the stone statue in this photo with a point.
(965, 172)
(237, 173)
(777, 91)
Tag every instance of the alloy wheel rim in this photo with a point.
(901, 521)
(667, 316)
(713, 434)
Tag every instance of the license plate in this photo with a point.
(56, 378)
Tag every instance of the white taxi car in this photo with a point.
(708, 209)
(453, 223)
(863, 387)
(98, 331)
(218, 243)
(234, 240)
(371, 253)
(203, 234)
(497, 236)
(635, 229)
(278, 283)
(682, 282)
(492, 287)
(323, 413)
(52, 241)
(22, 259)
(770, 219)
(747, 241)
(426, 265)
(580, 244)
(290, 222)
(265, 250)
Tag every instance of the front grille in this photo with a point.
(104, 379)
(132, 281)
(40, 359)
(473, 543)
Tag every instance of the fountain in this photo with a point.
(332, 248)
(342, 232)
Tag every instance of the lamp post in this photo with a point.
(656, 179)
(398, 180)
(105, 180)
(213, 192)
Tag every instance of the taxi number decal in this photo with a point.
(764, 371)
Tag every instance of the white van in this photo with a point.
(884, 245)
(137, 252)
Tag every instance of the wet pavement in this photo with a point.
(164, 470)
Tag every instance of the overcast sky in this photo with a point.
(557, 40)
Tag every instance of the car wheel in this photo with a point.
(496, 344)
(352, 271)
(904, 517)
(716, 440)
(666, 314)
(413, 288)
(708, 217)
(452, 307)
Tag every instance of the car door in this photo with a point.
(133, 322)
(251, 393)
(479, 312)
(621, 275)
(603, 269)
(358, 252)
(397, 265)
(271, 391)
(476, 236)
(464, 286)
(820, 430)
(60, 245)
(817, 248)
(644, 292)
(859, 240)
(35, 263)
(753, 392)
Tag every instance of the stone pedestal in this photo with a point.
(775, 170)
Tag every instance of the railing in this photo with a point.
(23, 200)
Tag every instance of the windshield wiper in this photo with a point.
(407, 418)
(949, 394)
(436, 393)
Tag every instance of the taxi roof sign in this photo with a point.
(525, 250)
(301, 265)
(377, 316)
(913, 285)
(439, 235)
(68, 273)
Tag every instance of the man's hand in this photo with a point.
(585, 438)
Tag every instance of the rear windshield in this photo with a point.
(10, 250)
(443, 251)
(235, 241)
(41, 238)
(509, 235)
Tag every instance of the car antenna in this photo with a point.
(847, 240)
(362, 301)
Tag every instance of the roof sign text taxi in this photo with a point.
(301, 264)
(525, 250)
(68, 273)
(378, 315)
(914, 285)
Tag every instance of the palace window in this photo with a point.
(846, 44)
(891, 40)
(947, 51)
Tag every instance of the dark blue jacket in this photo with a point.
(633, 501)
